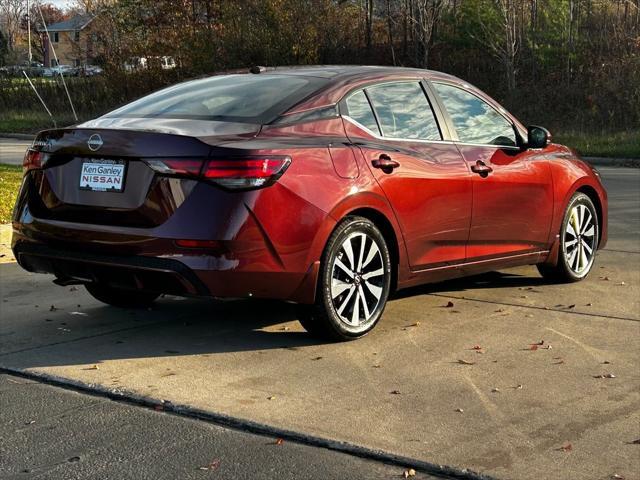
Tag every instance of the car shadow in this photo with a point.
(492, 280)
(76, 335)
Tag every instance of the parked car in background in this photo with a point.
(65, 70)
(88, 71)
(33, 69)
(330, 187)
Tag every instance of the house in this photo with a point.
(72, 40)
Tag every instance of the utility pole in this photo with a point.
(29, 30)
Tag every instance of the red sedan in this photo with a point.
(330, 187)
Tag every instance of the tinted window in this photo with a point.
(233, 98)
(475, 120)
(404, 111)
(360, 111)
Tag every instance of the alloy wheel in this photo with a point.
(579, 240)
(357, 280)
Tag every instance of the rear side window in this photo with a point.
(404, 111)
(474, 119)
(360, 111)
(256, 99)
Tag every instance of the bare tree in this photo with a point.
(424, 16)
(12, 13)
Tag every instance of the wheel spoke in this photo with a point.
(586, 246)
(573, 256)
(584, 261)
(374, 289)
(570, 243)
(587, 222)
(348, 249)
(364, 302)
(345, 302)
(590, 232)
(363, 240)
(344, 268)
(571, 231)
(338, 287)
(375, 273)
(373, 250)
(355, 315)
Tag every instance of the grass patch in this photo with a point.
(26, 121)
(10, 179)
(605, 144)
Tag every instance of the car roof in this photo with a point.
(341, 72)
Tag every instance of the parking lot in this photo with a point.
(502, 374)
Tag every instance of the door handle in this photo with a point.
(384, 163)
(481, 169)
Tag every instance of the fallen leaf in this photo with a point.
(566, 448)
(615, 476)
(317, 358)
(572, 306)
(30, 422)
(417, 324)
(377, 366)
(606, 279)
(52, 308)
(495, 390)
(533, 347)
(465, 362)
(459, 410)
(80, 314)
(559, 363)
(589, 304)
(541, 342)
(548, 347)
(621, 283)
(636, 442)
(606, 362)
(395, 392)
(605, 375)
(73, 289)
(518, 387)
(279, 441)
(449, 305)
(92, 367)
(271, 398)
(476, 347)
(285, 328)
(500, 310)
(409, 473)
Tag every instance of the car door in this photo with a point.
(512, 187)
(423, 176)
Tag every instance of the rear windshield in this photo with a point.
(257, 99)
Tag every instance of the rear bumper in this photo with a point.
(136, 272)
(184, 275)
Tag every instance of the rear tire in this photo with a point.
(119, 297)
(354, 283)
(578, 242)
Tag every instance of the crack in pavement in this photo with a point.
(534, 307)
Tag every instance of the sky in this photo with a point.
(60, 3)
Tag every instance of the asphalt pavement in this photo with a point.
(52, 433)
(518, 379)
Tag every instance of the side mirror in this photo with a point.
(538, 137)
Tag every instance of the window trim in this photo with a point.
(452, 128)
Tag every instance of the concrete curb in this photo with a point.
(245, 425)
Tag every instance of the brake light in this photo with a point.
(245, 173)
(179, 166)
(32, 160)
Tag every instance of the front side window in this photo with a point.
(360, 111)
(474, 119)
(404, 111)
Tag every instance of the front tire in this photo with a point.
(354, 283)
(578, 242)
(119, 297)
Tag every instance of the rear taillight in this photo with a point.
(179, 166)
(245, 173)
(32, 160)
(233, 174)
